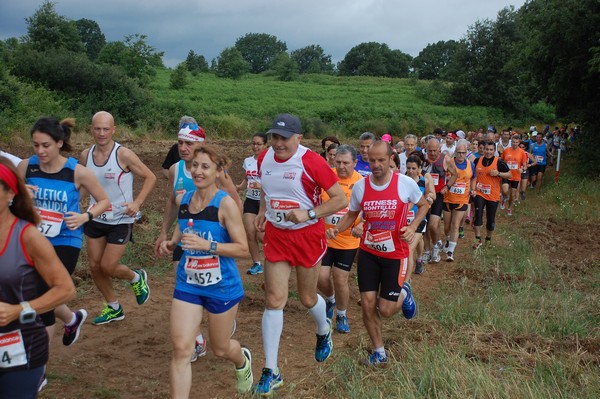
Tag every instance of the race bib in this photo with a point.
(381, 242)
(436, 178)
(459, 188)
(484, 188)
(410, 216)
(513, 165)
(51, 222)
(203, 270)
(280, 208)
(12, 350)
(336, 217)
(105, 216)
(253, 190)
(539, 159)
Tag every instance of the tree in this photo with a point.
(48, 30)
(259, 50)
(375, 59)
(91, 36)
(397, 64)
(231, 64)
(285, 68)
(178, 76)
(312, 59)
(196, 63)
(433, 61)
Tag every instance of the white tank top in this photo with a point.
(253, 182)
(287, 186)
(118, 185)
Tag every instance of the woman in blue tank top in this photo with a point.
(54, 181)
(212, 234)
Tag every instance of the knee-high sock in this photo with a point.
(319, 314)
(272, 326)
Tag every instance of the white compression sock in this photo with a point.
(272, 326)
(319, 314)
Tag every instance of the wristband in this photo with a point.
(90, 216)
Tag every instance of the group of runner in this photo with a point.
(311, 213)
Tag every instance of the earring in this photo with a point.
(10, 202)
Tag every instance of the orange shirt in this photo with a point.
(487, 186)
(459, 192)
(515, 159)
(344, 240)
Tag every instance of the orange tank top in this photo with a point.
(459, 192)
(487, 186)
(344, 240)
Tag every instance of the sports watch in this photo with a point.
(28, 314)
(312, 215)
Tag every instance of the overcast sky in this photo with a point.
(208, 26)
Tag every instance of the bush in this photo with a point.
(178, 77)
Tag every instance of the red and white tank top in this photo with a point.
(295, 183)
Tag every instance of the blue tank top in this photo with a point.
(182, 182)
(539, 153)
(56, 195)
(199, 275)
(421, 184)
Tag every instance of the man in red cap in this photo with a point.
(449, 145)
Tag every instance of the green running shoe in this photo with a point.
(141, 288)
(243, 376)
(109, 314)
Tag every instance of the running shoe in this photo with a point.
(419, 266)
(409, 306)
(200, 350)
(477, 244)
(375, 359)
(461, 232)
(256, 268)
(426, 257)
(243, 377)
(324, 344)
(522, 195)
(435, 253)
(72, 332)
(509, 212)
(269, 381)
(330, 308)
(109, 314)
(449, 257)
(341, 324)
(141, 288)
(502, 203)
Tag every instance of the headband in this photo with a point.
(7, 176)
(187, 134)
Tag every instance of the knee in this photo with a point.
(220, 351)
(387, 312)
(182, 350)
(275, 300)
(308, 299)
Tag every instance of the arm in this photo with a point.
(337, 201)
(429, 189)
(451, 169)
(83, 161)
(347, 220)
(132, 162)
(169, 214)
(225, 183)
(87, 179)
(242, 185)
(52, 272)
(408, 231)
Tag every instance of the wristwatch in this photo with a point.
(28, 314)
(312, 215)
(213, 247)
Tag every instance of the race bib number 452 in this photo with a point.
(203, 270)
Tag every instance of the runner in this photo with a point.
(410, 146)
(207, 276)
(341, 250)
(383, 272)
(438, 165)
(292, 177)
(251, 184)
(109, 233)
(516, 159)
(489, 171)
(27, 260)
(525, 172)
(364, 142)
(539, 149)
(173, 154)
(331, 151)
(456, 198)
(55, 182)
(326, 142)
(449, 145)
(414, 170)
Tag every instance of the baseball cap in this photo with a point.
(452, 135)
(386, 137)
(188, 134)
(286, 125)
(491, 128)
(460, 134)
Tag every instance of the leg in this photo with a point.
(103, 281)
(342, 292)
(325, 284)
(277, 276)
(219, 329)
(371, 318)
(491, 208)
(185, 318)
(248, 219)
(111, 268)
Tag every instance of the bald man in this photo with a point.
(108, 234)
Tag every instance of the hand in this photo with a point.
(192, 241)
(131, 208)
(32, 190)
(161, 237)
(75, 220)
(494, 173)
(8, 313)
(444, 190)
(331, 233)
(259, 222)
(357, 231)
(166, 247)
(297, 216)
(408, 233)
